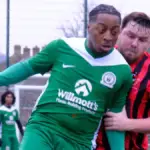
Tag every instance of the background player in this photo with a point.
(8, 117)
(133, 43)
(83, 73)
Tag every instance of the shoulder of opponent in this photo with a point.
(148, 56)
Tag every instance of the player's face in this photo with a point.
(103, 33)
(133, 40)
(9, 99)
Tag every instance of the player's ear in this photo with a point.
(88, 27)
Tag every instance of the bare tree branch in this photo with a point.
(74, 27)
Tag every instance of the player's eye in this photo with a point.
(142, 39)
(131, 36)
(102, 29)
(114, 32)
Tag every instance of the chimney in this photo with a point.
(17, 50)
(26, 53)
(17, 54)
(35, 50)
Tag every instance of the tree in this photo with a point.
(75, 27)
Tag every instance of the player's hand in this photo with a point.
(116, 121)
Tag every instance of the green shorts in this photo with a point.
(40, 137)
(9, 142)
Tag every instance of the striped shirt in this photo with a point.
(137, 107)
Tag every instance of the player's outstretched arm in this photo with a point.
(40, 63)
(117, 138)
(16, 73)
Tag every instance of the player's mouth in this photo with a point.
(107, 47)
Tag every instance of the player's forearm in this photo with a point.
(139, 125)
(116, 140)
(16, 73)
(20, 127)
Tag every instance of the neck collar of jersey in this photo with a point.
(95, 54)
(8, 106)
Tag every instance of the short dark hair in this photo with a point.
(138, 17)
(103, 8)
(3, 97)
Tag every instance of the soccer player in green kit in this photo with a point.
(9, 117)
(88, 77)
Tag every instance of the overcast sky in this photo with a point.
(36, 22)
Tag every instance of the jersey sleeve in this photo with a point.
(16, 73)
(116, 138)
(17, 115)
(43, 61)
(119, 99)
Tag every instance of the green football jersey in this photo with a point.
(82, 86)
(8, 117)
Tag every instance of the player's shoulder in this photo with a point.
(74, 42)
(4, 108)
(68, 43)
(146, 63)
(1, 107)
(71, 42)
(145, 58)
(119, 60)
(116, 59)
(13, 108)
(147, 54)
(116, 55)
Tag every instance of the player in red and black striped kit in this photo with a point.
(133, 42)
